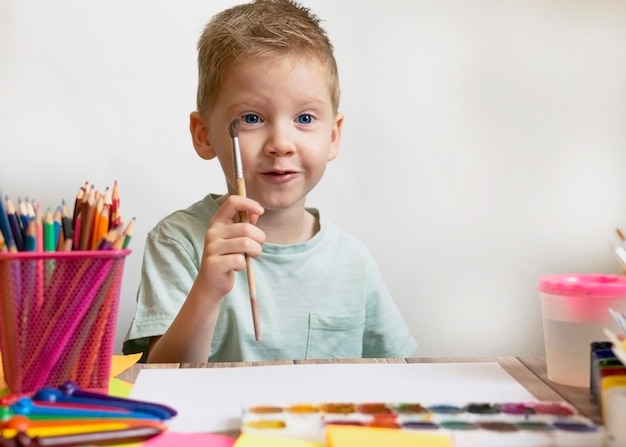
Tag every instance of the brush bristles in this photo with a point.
(233, 128)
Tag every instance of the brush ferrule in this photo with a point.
(237, 158)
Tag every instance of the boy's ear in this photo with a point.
(200, 136)
(335, 137)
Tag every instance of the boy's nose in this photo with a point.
(279, 143)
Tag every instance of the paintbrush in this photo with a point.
(243, 217)
(620, 251)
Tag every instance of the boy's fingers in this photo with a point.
(229, 210)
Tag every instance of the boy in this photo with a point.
(271, 66)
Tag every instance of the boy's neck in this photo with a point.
(285, 227)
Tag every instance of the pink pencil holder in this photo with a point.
(59, 315)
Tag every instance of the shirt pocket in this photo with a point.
(335, 336)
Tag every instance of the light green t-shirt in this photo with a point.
(323, 298)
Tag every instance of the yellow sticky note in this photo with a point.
(120, 363)
(350, 436)
(254, 440)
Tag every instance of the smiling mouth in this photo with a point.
(280, 175)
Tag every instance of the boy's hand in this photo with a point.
(226, 242)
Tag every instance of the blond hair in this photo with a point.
(260, 28)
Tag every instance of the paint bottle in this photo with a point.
(614, 413)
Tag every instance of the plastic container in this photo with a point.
(575, 309)
(58, 314)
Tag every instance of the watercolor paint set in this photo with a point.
(528, 424)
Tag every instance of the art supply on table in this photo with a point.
(349, 436)
(85, 418)
(614, 417)
(620, 319)
(528, 424)
(620, 251)
(575, 311)
(58, 308)
(608, 383)
(243, 217)
(602, 363)
(58, 296)
(210, 399)
(92, 438)
(618, 343)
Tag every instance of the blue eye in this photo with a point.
(305, 118)
(251, 118)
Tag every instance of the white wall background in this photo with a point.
(484, 141)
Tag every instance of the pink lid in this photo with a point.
(583, 285)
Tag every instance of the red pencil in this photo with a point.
(115, 206)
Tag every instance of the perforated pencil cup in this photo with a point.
(59, 315)
(575, 312)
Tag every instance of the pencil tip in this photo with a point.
(233, 128)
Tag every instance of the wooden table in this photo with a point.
(528, 371)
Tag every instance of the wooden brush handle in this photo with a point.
(243, 217)
(241, 191)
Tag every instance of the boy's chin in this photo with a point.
(282, 205)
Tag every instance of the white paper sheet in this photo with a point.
(212, 399)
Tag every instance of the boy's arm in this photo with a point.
(188, 338)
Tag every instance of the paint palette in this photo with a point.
(527, 424)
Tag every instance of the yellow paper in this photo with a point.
(254, 440)
(121, 363)
(350, 436)
(119, 388)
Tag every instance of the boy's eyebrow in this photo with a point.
(255, 102)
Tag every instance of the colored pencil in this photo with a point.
(5, 227)
(115, 206)
(22, 212)
(56, 217)
(30, 240)
(49, 241)
(96, 234)
(16, 229)
(119, 242)
(108, 202)
(79, 200)
(128, 233)
(106, 243)
(39, 223)
(87, 215)
(77, 227)
(66, 222)
(3, 245)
